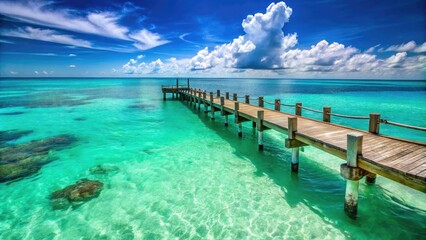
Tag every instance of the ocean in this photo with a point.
(172, 173)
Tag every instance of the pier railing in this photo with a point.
(374, 118)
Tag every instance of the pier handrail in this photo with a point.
(288, 105)
(384, 121)
(312, 110)
(348, 116)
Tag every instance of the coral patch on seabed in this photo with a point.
(104, 169)
(26, 159)
(80, 119)
(11, 135)
(76, 194)
(139, 105)
(12, 113)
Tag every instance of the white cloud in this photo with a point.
(140, 56)
(98, 23)
(46, 35)
(72, 66)
(372, 49)
(264, 50)
(410, 46)
(259, 48)
(36, 72)
(13, 72)
(146, 39)
(72, 55)
(5, 41)
(421, 48)
(405, 47)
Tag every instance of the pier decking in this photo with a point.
(367, 153)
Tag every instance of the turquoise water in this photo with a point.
(184, 176)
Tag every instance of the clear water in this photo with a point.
(183, 176)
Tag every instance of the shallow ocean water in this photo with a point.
(184, 176)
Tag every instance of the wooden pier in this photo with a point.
(366, 152)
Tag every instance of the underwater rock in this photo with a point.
(42, 100)
(60, 203)
(12, 113)
(83, 190)
(103, 169)
(80, 119)
(141, 106)
(14, 134)
(26, 159)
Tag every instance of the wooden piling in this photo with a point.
(298, 110)
(261, 103)
(205, 102)
(277, 105)
(326, 117)
(292, 129)
(374, 123)
(211, 106)
(234, 97)
(227, 95)
(260, 116)
(373, 127)
(237, 118)
(352, 173)
(218, 93)
(247, 98)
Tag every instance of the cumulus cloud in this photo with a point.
(259, 48)
(46, 35)
(99, 23)
(410, 46)
(264, 46)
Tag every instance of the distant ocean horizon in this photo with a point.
(178, 174)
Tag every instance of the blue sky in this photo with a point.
(241, 38)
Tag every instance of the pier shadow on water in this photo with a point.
(318, 187)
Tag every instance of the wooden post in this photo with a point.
(373, 127)
(240, 129)
(177, 83)
(237, 120)
(247, 99)
(374, 123)
(164, 96)
(226, 121)
(260, 115)
(277, 105)
(205, 102)
(352, 173)
(199, 99)
(227, 95)
(298, 109)
(261, 103)
(211, 106)
(326, 117)
(187, 81)
(234, 97)
(292, 129)
(218, 93)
